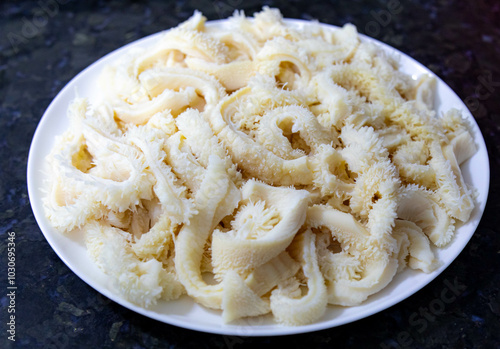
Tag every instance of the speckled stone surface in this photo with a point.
(44, 44)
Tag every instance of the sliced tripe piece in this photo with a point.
(419, 205)
(279, 52)
(163, 121)
(366, 81)
(452, 190)
(459, 133)
(189, 149)
(403, 243)
(411, 161)
(335, 101)
(95, 169)
(216, 198)
(291, 132)
(308, 308)
(393, 137)
(252, 157)
(330, 173)
(463, 147)
(118, 81)
(157, 80)
(374, 196)
(264, 25)
(140, 113)
(425, 91)
(330, 46)
(241, 44)
(381, 221)
(195, 22)
(420, 254)
(156, 241)
(419, 123)
(239, 300)
(64, 206)
(375, 266)
(119, 178)
(377, 274)
(233, 75)
(264, 226)
(139, 221)
(141, 282)
(362, 147)
(99, 116)
(382, 186)
(120, 220)
(202, 141)
(375, 183)
(184, 164)
(266, 276)
(189, 42)
(170, 193)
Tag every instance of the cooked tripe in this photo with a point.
(260, 167)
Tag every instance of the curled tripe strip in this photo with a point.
(216, 198)
(265, 224)
(414, 246)
(192, 43)
(287, 303)
(143, 280)
(267, 151)
(171, 195)
(361, 267)
(93, 170)
(421, 207)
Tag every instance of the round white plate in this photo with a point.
(184, 312)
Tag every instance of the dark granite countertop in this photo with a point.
(44, 44)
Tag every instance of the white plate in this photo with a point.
(184, 312)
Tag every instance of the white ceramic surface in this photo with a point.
(184, 312)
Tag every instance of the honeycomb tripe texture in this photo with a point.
(260, 167)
